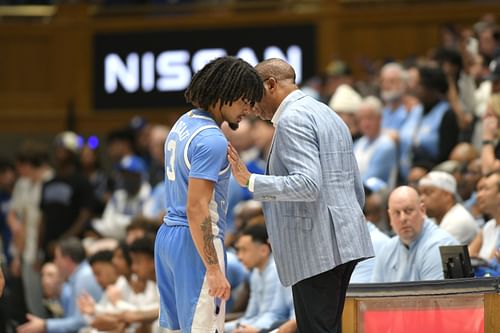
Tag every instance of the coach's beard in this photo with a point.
(233, 126)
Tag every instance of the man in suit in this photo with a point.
(313, 198)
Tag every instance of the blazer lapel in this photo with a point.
(297, 95)
(270, 152)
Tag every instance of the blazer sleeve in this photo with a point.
(297, 148)
(358, 185)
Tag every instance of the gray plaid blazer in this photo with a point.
(312, 194)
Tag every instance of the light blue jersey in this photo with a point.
(196, 148)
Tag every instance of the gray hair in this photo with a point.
(373, 103)
(403, 74)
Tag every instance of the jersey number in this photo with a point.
(170, 168)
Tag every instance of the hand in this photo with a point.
(2, 282)
(18, 231)
(490, 127)
(114, 294)
(239, 169)
(467, 120)
(288, 327)
(86, 304)
(242, 328)
(496, 165)
(130, 317)
(16, 267)
(393, 134)
(218, 286)
(108, 323)
(410, 102)
(34, 325)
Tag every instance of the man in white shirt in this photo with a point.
(438, 191)
(488, 197)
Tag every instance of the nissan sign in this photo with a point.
(153, 69)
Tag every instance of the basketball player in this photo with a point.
(189, 255)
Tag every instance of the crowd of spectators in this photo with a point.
(77, 239)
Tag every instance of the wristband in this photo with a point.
(488, 142)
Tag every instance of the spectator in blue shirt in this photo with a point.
(393, 78)
(69, 257)
(364, 270)
(375, 152)
(268, 298)
(237, 275)
(413, 254)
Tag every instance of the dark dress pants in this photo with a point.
(319, 300)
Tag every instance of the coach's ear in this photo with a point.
(271, 83)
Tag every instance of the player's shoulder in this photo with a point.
(211, 137)
(211, 132)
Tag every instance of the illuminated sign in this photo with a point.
(152, 69)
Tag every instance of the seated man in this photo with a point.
(69, 257)
(438, 191)
(488, 197)
(413, 254)
(128, 295)
(143, 266)
(52, 284)
(364, 270)
(345, 101)
(106, 275)
(467, 185)
(288, 326)
(127, 201)
(375, 151)
(268, 298)
(237, 275)
(393, 86)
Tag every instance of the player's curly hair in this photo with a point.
(225, 79)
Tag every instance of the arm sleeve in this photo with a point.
(383, 163)
(252, 308)
(448, 135)
(278, 309)
(207, 155)
(74, 319)
(358, 184)
(378, 267)
(42, 204)
(63, 325)
(16, 193)
(432, 268)
(466, 89)
(382, 262)
(269, 306)
(297, 148)
(276, 306)
(85, 195)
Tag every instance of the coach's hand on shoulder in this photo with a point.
(218, 286)
(239, 169)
